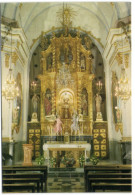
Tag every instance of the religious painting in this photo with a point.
(84, 102)
(48, 102)
(17, 106)
(115, 109)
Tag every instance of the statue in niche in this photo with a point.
(48, 102)
(35, 100)
(84, 102)
(98, 100)
(66, 54)
(66, 114)
(15, 115)
(118, 115)
(83, 61)
(49, 61)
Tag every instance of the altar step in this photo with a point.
(66, 172)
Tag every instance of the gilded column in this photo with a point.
(53, 64)
(79, 95)
(53, 93)
(53, 101)
(90, 103)
(78, 56)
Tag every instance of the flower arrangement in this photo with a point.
(69, 162)
(94, 159)
(52, 161)
(40, 160)
(81, 160)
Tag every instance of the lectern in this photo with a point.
(27, 154)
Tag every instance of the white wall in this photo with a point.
(19, 46)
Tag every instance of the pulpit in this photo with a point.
(27, 148)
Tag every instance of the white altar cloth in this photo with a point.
(70, 146)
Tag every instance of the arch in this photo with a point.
(66, 90)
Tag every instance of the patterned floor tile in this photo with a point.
(66, 184)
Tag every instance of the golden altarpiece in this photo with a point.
(64, 101)
(66, 94)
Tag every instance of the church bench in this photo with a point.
(19, 168)
(39, 176)
(104, 169)
(18, 187)
(123, 168)
(22, 180)
(105, 175)
(126, 187)
(107, 180)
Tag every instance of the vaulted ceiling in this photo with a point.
(95, 17)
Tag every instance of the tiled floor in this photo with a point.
(65, 183)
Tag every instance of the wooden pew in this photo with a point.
(104, 169)
(18, 187)
(105, 175)
(22, 180)
(26, 175)
(111, 187)
(106, 180)
(19, 168)
(124, 168)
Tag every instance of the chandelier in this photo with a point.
(10, 91)
(122, 89)
(33, 86)
(64, 78)
(99, 86)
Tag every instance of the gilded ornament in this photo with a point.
(126, 139)
(7, 56)
(72, 28)
(119, 126)
(119, 58)
(14, 58)
(63, 46)
(126, 58)
(18, 44)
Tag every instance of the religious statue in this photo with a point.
(35, 100)
(49, 62)
(98, 100)
(84, 105)
(58, 126)
(84, 102)
(15, 115)
(48, 104)
(66, 108)
(83, 62)
(118, 115)
(75, 120)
